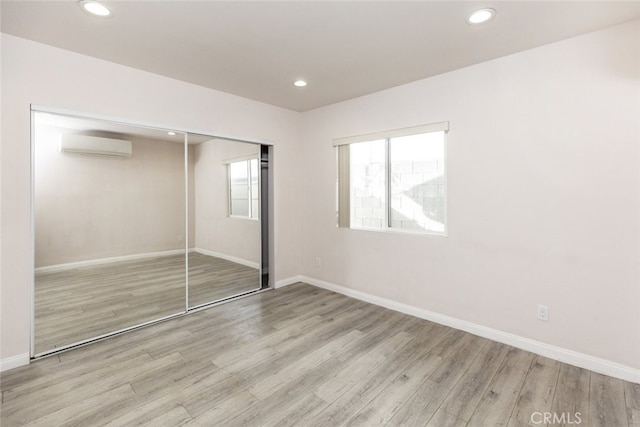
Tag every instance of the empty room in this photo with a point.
(320, 213)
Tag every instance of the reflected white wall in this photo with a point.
(94, 207)
(215, 231)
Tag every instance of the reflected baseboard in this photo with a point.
(226, 257)
(109, 260)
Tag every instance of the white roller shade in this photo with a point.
(433, 127)
(344, 187)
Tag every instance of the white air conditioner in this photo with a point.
(94, 145)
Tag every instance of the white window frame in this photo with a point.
(344, 187)
(253, 216)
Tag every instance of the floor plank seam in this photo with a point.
(524, 381)
(555, 389)
(186, 410)
(458, 381)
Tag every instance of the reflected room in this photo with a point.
(135, 224)
(224, 258)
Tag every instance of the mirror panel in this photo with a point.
(109, 230)
(224, 251)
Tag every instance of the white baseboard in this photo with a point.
(289, 281)
(227, 257)
(14, 362)
(561, 354)
(90, 262)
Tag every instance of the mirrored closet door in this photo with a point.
(135, 224)
(225, 255)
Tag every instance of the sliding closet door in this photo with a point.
(224, 230)
(109, 219)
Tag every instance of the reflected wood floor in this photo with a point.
(303, 356)
(85, 302)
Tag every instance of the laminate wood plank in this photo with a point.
(499, 400)
(445, 419)
(632, 401)
(252, 360)
(571, 396)
(138, 341)
(323, 329)
(170, 376)
(42, 401)
(537, 392)
(287, 316)
(299, 413)
(85, 411)
(198, 403)
(74, 377)
(229, 408)
(362, 367)
(358, 396)
(234, 353)
(465, 395)
(294, 397)
(290, 397)
(202, 391)
(176, 416)
(300, 367)
(25, 375)
(224, 340)
(389, 401)
(143, 411)
(606, 402)
(457, 357)
(385, 325)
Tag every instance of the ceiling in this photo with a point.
(343, 49)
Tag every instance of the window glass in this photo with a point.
(254, 188)
(417, 182)
(368, 192)
(238, 174)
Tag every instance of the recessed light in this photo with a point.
(95, 8)
(481, 16)
(171, 133)
(300, 83)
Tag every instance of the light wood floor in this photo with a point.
(85, 302)
(303, 356)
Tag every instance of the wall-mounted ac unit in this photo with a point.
(83, 144)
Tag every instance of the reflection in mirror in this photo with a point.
(224, 252)
(109, 228)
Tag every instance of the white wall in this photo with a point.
(543, 196)
(46, 76)
(215, 231)
(91, 207)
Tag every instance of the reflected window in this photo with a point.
(243, 189)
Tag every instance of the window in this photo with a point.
(394, 180)
(243, 188)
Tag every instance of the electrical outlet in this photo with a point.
(543, 312)
(318, 262)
